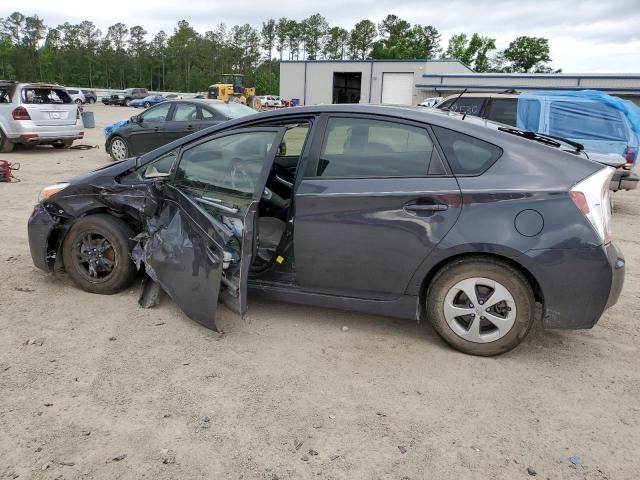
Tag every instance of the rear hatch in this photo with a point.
(48, 105)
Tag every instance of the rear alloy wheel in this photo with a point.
(96, 254)
(147, 104)
(78, 101)
(6, 145)
(481, 306)
(118, 148)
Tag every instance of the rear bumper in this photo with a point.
(577, 284)
(624, 180)
(40, 227)
(28, 132)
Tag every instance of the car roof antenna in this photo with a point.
(457, 98)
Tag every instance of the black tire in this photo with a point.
(62, 144)
(78, 101)
(118, 156)
(126, 102)
(477, 267)
(6, 145)
(118, 234)
(147, 104)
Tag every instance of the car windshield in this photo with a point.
(45, 95)
(232, 110)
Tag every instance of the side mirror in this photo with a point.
(135, 119)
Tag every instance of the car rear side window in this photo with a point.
(466, 155)
(360, 147)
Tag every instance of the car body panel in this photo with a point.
(528, 176)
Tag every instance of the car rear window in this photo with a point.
(44, 95)
(503, 110)
(466, 155)
(587, 121)
(465, 105)
(359, 147)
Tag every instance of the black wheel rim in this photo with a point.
(95, 257)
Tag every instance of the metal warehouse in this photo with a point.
(360, 81)
(408, 82)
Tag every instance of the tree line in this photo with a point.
(187, 60)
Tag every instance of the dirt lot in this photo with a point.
(107, 390)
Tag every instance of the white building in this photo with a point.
(408, 82)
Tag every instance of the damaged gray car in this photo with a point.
(387, 210)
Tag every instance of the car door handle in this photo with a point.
(190, 127)
(155, 129)
(437, 207)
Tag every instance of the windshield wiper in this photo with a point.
(551, 140)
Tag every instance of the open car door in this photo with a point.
(198, 244)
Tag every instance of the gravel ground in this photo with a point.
(95, 387)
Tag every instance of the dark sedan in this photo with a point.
(169, 121)
(388, 210)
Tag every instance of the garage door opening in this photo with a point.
(347, 87)
(397, 88)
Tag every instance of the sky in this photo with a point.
(586, 36)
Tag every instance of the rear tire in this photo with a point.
(454, 314)
(127, 102)
(147, 104)
(101, 230)
(78, 101)
(6, 145)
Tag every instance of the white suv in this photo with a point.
(270, 101)
(77, 96)
(37, 113)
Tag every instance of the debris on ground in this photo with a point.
(312, 452)
(167, 456)
(345, 329)
(112, 339)
(35, 341)
(297, 444)
(531, 471)
(119, 457)
(304, 458)
(575, 461)
(402, 449)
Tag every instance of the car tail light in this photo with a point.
(593, 198)
(20, 113)
(630, 154)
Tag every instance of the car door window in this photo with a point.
(466, 155)
(185, 112)
(156, 114)
(503, 110)
(359, 147)
(229, 164)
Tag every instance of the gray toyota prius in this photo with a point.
(387, 210)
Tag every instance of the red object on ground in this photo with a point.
(6, 170)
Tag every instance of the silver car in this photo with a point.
(37, 113)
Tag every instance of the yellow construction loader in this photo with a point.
(231, 89)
